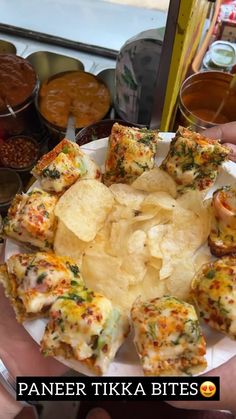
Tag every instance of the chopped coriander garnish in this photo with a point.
(74, 283)
(210, 274)
(41, 277)
(65, 149)
(73, 297)
(52, 173)
(74, 269)
(152, 330)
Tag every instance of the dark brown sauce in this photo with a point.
(17, 80)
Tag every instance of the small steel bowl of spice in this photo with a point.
(10, 185)
(19, 152)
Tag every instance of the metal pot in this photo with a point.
(22, 117)
(200, 97)
(56, 132)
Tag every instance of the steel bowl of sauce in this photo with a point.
(79, 93)
(200, 96)
(18, 87)
(10, 185)
(19, 153)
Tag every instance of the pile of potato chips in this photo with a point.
(131, 240)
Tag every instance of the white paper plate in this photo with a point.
(219, 348)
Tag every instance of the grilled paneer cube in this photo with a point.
(130, 152)
(214, 291)
(222, 238)
(34, 281)
(84, 326)
(168, 337)
(193, 160)
(63, 166)
(31, 219)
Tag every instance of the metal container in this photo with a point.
(10, 184)
(221, 56)
(23, 117)
(108, 77)
(25, 169)
(56, 132)
(7, 47)
(135, 76)
(47, 64)
(200, 97)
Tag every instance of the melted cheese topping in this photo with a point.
(131, 151)
(61, 173)
(63, 166)
(214, 290)
(193, 160)
(31, 218)
(86, 323)
(38, 279)
(168, 337)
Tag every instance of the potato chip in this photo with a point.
(149, 243)
(193, 201)
(155, 236)
(121, 212)
(166, 268)
(159, 200)
(67, 243)
(126, 195)
(119, 234)
(137, 242)
(155, 263)
(179, 281)
(150, 287)
(102, 272)
(136, 267)
(84, 207)
(155, 180)
(141, 216)
(202, 256)
(161, 217)
(187, 230)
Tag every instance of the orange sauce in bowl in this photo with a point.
(208, 115)
(77, 92)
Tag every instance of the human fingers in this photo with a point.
(9, 407)
(223, 132)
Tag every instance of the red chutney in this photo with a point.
(18, 152)
(17, 80)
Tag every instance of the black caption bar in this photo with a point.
(118, 388)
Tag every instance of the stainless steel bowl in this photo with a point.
(10, 185)
(7, 47)
(108, 77)
(56, 132)
(47, 64)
